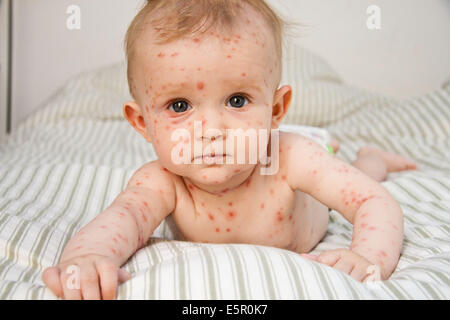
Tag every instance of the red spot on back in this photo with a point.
(210, 216)
(200, 85)
(230, 203)
(243, 74)
(228, 230)
(217, 230)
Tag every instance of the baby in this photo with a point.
(200, 71)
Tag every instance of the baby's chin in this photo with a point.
(217, 174)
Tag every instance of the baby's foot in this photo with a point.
(394, 162)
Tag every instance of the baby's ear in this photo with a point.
(281, 103)
(133, 113)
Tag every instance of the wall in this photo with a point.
(408, 56)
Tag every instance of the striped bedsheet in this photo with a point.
(68, 161)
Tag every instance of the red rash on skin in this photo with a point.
(228, 230)
(283, 177)
(262, 205)
(271, 191)
(196, 40)
(243, 74)
(229, 56)
(230, 203)
(231, 214)
(174, 54)
(279, 216)
(248, 182)
(200, 85)
(161, 55)
(217, 230)
(210, 216)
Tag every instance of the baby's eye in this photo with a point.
(237, 101)
(179, 106)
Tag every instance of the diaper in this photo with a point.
(319, 135)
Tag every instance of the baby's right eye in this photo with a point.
(179, 106)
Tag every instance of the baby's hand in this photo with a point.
(89, 277)
(346, 261)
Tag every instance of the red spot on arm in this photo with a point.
(231, 214)
(200, 85)
(279, 216)
(210, 216)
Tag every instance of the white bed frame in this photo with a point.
(5, 63)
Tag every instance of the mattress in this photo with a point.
(70, 159)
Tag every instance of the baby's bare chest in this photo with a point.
(267, 214)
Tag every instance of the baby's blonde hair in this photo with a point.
(175, 19)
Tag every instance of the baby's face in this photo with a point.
(192, 92)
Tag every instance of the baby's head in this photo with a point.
(216, 63)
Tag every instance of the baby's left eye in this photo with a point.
(237, 101)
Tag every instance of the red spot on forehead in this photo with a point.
(200, 85)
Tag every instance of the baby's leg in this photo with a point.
(377, 163)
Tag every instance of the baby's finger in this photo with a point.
(344, 266)
(309, 256)
(359, 273)
(70, 281)
(124, 276)
(51, 278)
(108, 274)
(329, 258)
(90, 282)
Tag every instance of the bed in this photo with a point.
(71, 158)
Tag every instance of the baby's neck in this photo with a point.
(232, 184)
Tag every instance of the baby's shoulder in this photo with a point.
(297, 145)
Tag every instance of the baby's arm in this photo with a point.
(106, 243)
(376, 216)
